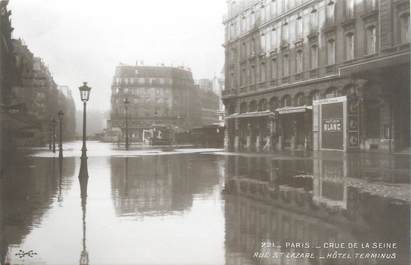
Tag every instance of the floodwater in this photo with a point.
(193, 206)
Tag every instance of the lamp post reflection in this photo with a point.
(83, 179)
(60, 193)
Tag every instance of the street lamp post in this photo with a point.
(53, 134)
(60, 115)
(50, 135)
(84, 95)
(126, 102)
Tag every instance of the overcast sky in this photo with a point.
(83, 40)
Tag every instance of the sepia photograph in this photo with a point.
(205, 132)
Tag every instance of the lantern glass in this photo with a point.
(84, 92)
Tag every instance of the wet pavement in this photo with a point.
(204, 206)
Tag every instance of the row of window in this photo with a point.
(268, 43)
(250, 75)
(308, 19)
(135, 80)
(292, 27)
(141, 90)
(145, 100)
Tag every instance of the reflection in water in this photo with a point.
(168, 209)
(83, 179)
(160, 185)
(27, 190)
(327, 199)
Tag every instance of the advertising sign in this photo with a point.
(332, 129)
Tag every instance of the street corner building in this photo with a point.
(156, 96)
(317, 75)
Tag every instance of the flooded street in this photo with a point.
(192, 206)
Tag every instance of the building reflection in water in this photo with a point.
(27, 190)
(332, 198)
(83, 180)
(160, 185)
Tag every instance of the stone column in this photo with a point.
(227, 143)
(268, 138)
(248, 141)
(236, 135)
(280, 135)
(258, 137)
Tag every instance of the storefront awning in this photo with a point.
(290, 110)
(254, 114)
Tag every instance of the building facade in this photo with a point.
(157, 95)
(42, 98)
(281, 56)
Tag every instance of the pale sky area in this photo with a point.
(84, 40)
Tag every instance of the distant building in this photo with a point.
(158, 95)
(218, 87)
(288, 62)
(209, 102)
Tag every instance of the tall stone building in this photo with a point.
(318, 74)
(157, 95)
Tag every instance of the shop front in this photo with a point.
(295, 128)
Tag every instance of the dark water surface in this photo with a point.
(203, 209)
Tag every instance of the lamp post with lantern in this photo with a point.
(84, 95)
(53, 133)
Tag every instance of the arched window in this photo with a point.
(273, 104)
(371, 40)
(252, 107)
(286, 101)
(243, 107)
(262, 105)
(299, 99)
